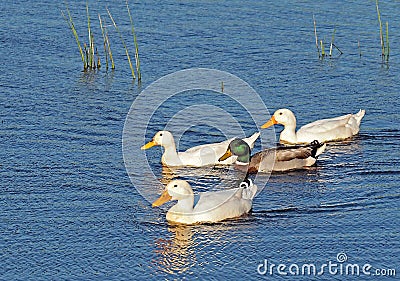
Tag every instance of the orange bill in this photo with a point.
(148, 145)
(270, 123)
(227, 154)
(165, 197)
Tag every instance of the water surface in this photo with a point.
(68, 208)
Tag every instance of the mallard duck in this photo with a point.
(280, 159)
(202, 155)
(324, 130)
(211, 206)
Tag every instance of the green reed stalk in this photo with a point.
(136, 44)
(72, 27)
(316, 37)
(322, 49)
(123, 42)
(109, 49)
(87, 55)
(332, 44)
(380, 30)
(387, 42)
(98, 59)
(104, 40)
(92, 51)
(91, 45)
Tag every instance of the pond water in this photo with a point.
(69, 210)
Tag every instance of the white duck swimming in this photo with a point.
(324, 130)
(211, 206)
(202, 155)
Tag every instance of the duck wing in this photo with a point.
(325, 125)
(211, 200)
(215, 146)
(286, 158)
(206, 154)
(262, 161)
(252, 139)
(220, 205)
(287, 153)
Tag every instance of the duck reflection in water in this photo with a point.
(176, 255)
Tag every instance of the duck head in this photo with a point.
(238, 148)
(175, 190)
(282, 116)
(163, 138)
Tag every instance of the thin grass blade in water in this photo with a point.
(104, 40)
(333, 39)
(387, 42)
(380, 30)
(91, 44)
(136, 44)
(123, 42)
(72, 27)
(316, 37)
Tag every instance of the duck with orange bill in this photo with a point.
(202, 155)
(211, 207)
(325, 130)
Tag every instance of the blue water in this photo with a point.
(68, 208)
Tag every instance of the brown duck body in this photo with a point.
(283, 158)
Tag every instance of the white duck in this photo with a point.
(211, 206)
(202, 155)
(324, 130)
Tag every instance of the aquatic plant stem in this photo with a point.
(92, 43)
(104, 40)
(90, 47)
(123, 42)
(108, 46)
(380, 30)
(332, 44)
(387, 42)
(316, 37)
(136, 44)
(98, 59)
(72, 27)
(322, 49)
(109, 49)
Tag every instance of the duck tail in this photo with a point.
(249, 189)
(252, 139)
(317, 148)
(358, 116)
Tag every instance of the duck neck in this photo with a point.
(170, 156)
(288, 134)
(243, 160)
(185, 205)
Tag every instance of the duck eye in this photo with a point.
(161, 135)
(175, 185)
(280, 113)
